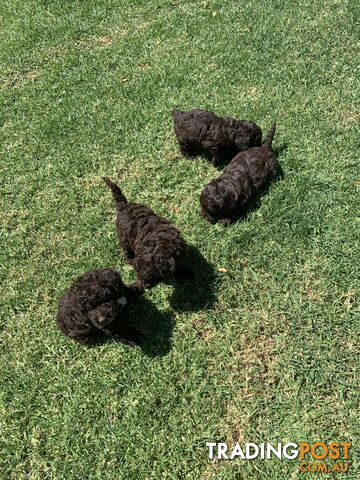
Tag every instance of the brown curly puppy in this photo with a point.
(220, 138)
(152, 245)
(224, 198)
(95, 305)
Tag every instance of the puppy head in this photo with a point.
(101, 292)
(241, 142)
(109, 312)
(103, 315)
(218, 201)
(247, 134)
(211, 202)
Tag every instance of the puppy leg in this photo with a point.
(87, 340)
(139, 286)
(216, 159)
(225, 221)
(207, 216)
(188, 150)
(216, 155)
(136, 289)
(129, 253)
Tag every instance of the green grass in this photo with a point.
(86, 90)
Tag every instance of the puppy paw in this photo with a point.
(207, 217)
(137, 288)
(225, 221)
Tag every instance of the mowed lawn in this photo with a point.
(265, 346)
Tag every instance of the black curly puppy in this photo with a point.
(224, 198)
(220, 138)
(95, 306)
(151, 244)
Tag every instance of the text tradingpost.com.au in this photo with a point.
(313, 457)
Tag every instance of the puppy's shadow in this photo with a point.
(156, 327)
(280, 149)
(196, 289)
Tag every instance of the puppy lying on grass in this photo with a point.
(225, 198)
(151, 244)
(220, 138)
(95, 305)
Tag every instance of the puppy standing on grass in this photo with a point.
(151, 244)
(220, 138)
(224, 198)
(95, 305)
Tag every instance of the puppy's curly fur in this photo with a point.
(224, 198)
(219, 138)
(151, 244)
(95, 306)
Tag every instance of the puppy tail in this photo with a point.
(267, 142)
(117, 193)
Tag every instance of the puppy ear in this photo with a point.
(87, 297)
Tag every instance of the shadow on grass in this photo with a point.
(156, 327)
(195, 290)
(280, 149)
